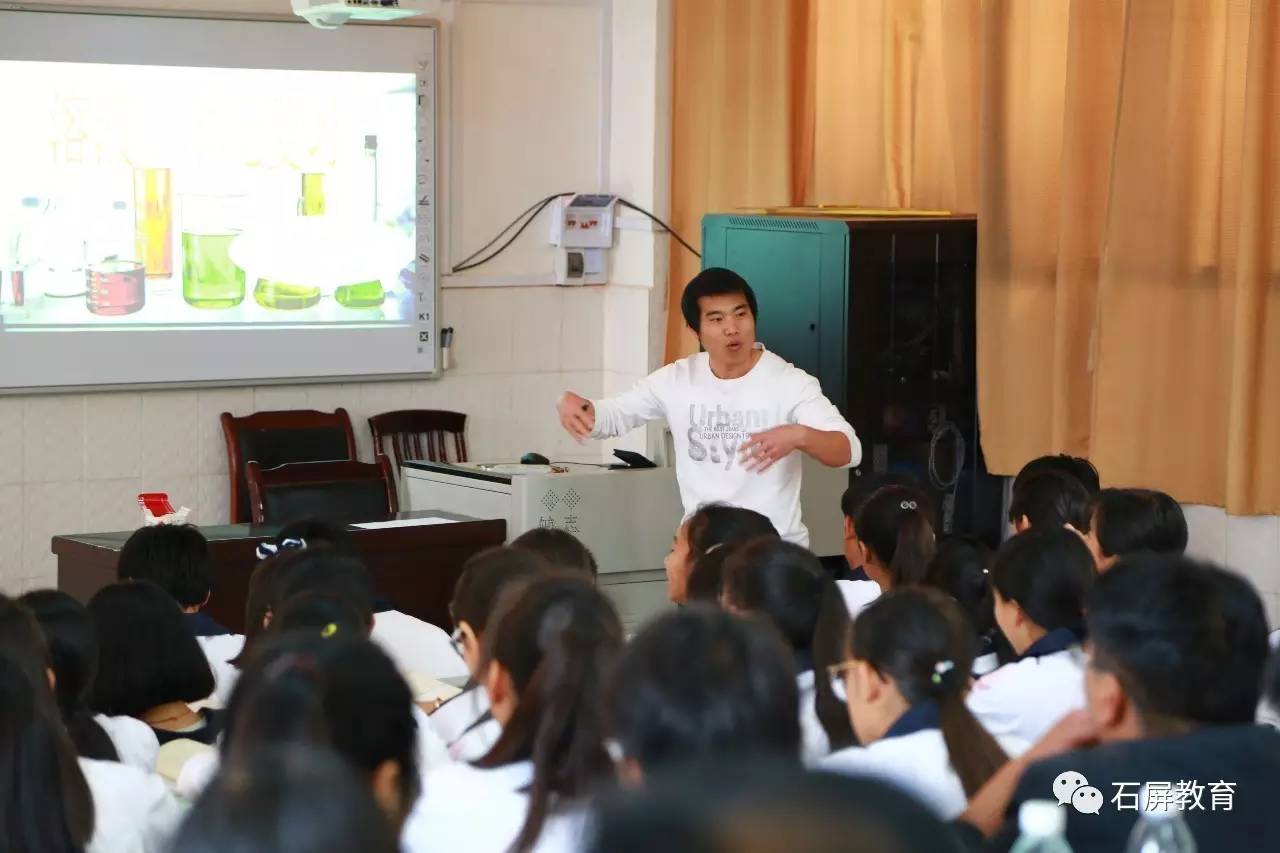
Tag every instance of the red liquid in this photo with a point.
(116, 287)
(17, 279)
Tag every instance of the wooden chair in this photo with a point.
(278, 438)
(337, 491)
(407, 428)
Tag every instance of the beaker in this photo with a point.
(115, 287)
(210, 278)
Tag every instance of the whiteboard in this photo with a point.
(55, 339)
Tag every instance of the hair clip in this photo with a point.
(329, 630)
(266, 550)
(940, 670)
(909, 505)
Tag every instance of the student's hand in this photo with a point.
(762, 449)
(577, 415)
(1073, 731)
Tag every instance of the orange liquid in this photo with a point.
(153, 223)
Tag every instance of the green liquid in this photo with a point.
(366, 294)
(210, 279)
(284, 296)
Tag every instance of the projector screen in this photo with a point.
(213, 201)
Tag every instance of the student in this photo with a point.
(1049, 499)
(1125, 522)
(132, 811)
(1040, 580)
(45, 802)
(1175, 656)
(318, 613)
(701, 684)
(894, 540)
(343, 693)
(961, 568)
(151, 666)
(711, 526)
(787, 585)
(73, 651)
(464, 722)
(1073, 466)
(546, 656)
(766, 807)
(561, 549)
(287, 800)
(909, 657)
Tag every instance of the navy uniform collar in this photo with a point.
(1057, 640)
(804, 661)
(917, 718)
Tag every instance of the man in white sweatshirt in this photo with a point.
(738, 412)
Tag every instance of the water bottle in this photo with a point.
(1161, 829)
(1041, 824)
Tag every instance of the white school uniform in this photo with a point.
(912, 756)
(858, 594)
(219, 650)
(134, 740)
(133, 811)
(481, 811)
(465, 725)
(814, 744)
(1026, 698)
(417, 646)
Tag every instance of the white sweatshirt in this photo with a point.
(710, 418)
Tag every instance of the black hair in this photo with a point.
(788, 585)
(561, 549)
(1073, 466)
(557, 638)
(765, 807)
(325, 571)
(895, 523)
(45, 802)
(1187, 640)
(485, 577)
(148, 656)
(1048, 573)
(699, 684)
(961, 568)
(315, 531)
(72, 642)
(1271, 680)
(340, 692)
(175, 557)
(706, 577)
(286, 800)
(318, 613)
(920, 639)
(1051, 499)
(713, 281)
(712, 529)
(1131, 521)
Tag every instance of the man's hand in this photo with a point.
(577, 415)
(762, 449)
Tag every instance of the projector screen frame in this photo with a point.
(428, 123)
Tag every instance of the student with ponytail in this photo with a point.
(892, 531)
(547, 653)
(73, 651)
(787, 585)
(1040, 580)
(907, 672)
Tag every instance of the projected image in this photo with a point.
(163, 197)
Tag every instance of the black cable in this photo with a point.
(531, 212)
(665, 226)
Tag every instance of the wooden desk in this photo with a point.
(414, 568)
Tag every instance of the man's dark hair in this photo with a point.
(1073, 466)
(1051, 499)
(699, 684)
(560, 548)
(713, 281)
(148, 655)
(1131, 521)
(175, 557)
(1187, 640)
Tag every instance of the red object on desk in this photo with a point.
(156, 503)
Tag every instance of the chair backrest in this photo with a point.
(420, 434)
(278, 438)
(335, 491)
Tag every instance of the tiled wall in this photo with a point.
(1248, 544)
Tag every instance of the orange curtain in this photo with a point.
(1123, 160)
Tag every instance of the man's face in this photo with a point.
(728, 331)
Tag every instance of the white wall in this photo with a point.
(1248, 544)
(534, 103)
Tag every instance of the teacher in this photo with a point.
(740, 415)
